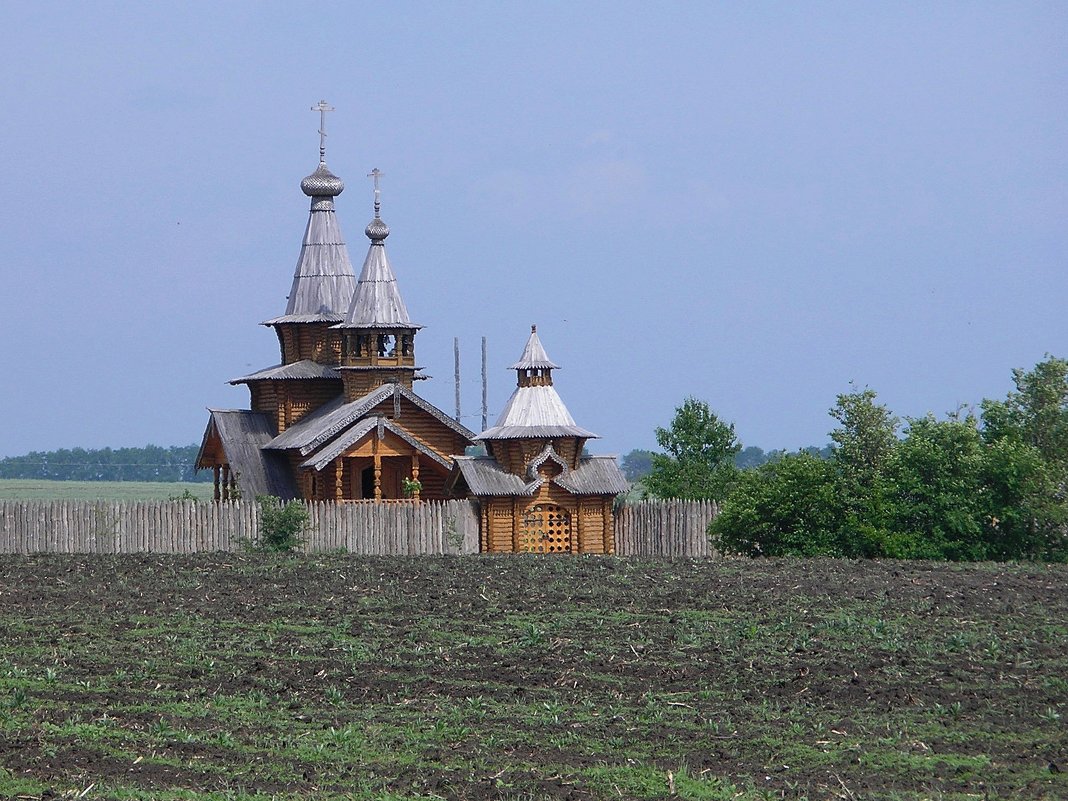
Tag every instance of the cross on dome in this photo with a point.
(375, 174)
(322, 108)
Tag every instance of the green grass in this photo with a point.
(26, 489)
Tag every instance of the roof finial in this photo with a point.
(322, 108)
(533, 329)
(377, 230)
(376, 174)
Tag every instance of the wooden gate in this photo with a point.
(546, 528)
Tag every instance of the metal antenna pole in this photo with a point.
(456, 354)
(484, 405)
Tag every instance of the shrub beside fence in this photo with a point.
(649, 528)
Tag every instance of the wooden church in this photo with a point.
(338, 418)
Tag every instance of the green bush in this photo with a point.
(282, 526)
(961, 488)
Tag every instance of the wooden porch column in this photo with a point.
(339, 472)
(216, 470)
(378, 472)
(226, 482)
(415, 473)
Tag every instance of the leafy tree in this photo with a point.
(699, 458)
(637, 464)
(938, 498)
(787, 506)
(1036, 413)
(1026, 516)
(863, 444)
(865, 437)
(1027, 464)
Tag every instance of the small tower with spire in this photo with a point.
(377, 335)
(536, 489)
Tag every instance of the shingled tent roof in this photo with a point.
(534, 355)
(323, 281)
(535, 410)
(377, 301)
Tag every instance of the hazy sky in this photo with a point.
(752, 203)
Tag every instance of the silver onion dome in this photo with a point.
(322, 183)
(376, 230)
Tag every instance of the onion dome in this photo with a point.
(376, 230)
(322, 183)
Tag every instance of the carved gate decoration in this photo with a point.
(546, 528)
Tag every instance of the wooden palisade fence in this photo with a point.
(664, 528)
(649, 528)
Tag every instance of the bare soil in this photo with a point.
(233, 676)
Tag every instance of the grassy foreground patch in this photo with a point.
(256, 676)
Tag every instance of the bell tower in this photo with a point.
(377, 336)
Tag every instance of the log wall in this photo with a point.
(649, 528)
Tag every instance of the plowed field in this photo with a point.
(259, 676)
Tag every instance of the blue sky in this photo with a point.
(751, 203)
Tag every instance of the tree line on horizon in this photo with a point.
(992, 486)
(149, 463)
(638, 463)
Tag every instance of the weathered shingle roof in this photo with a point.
(484, 477)
(534, 355)
(596, 475)
(365, 427)
(323, 281)
(243, 434)
(319, 427)
(349, 438)
(376, 302)
(305, 368)
(535, 411)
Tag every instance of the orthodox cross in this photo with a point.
(322, 108)
(375, 174)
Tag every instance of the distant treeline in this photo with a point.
(150, 463)
(639, 463)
